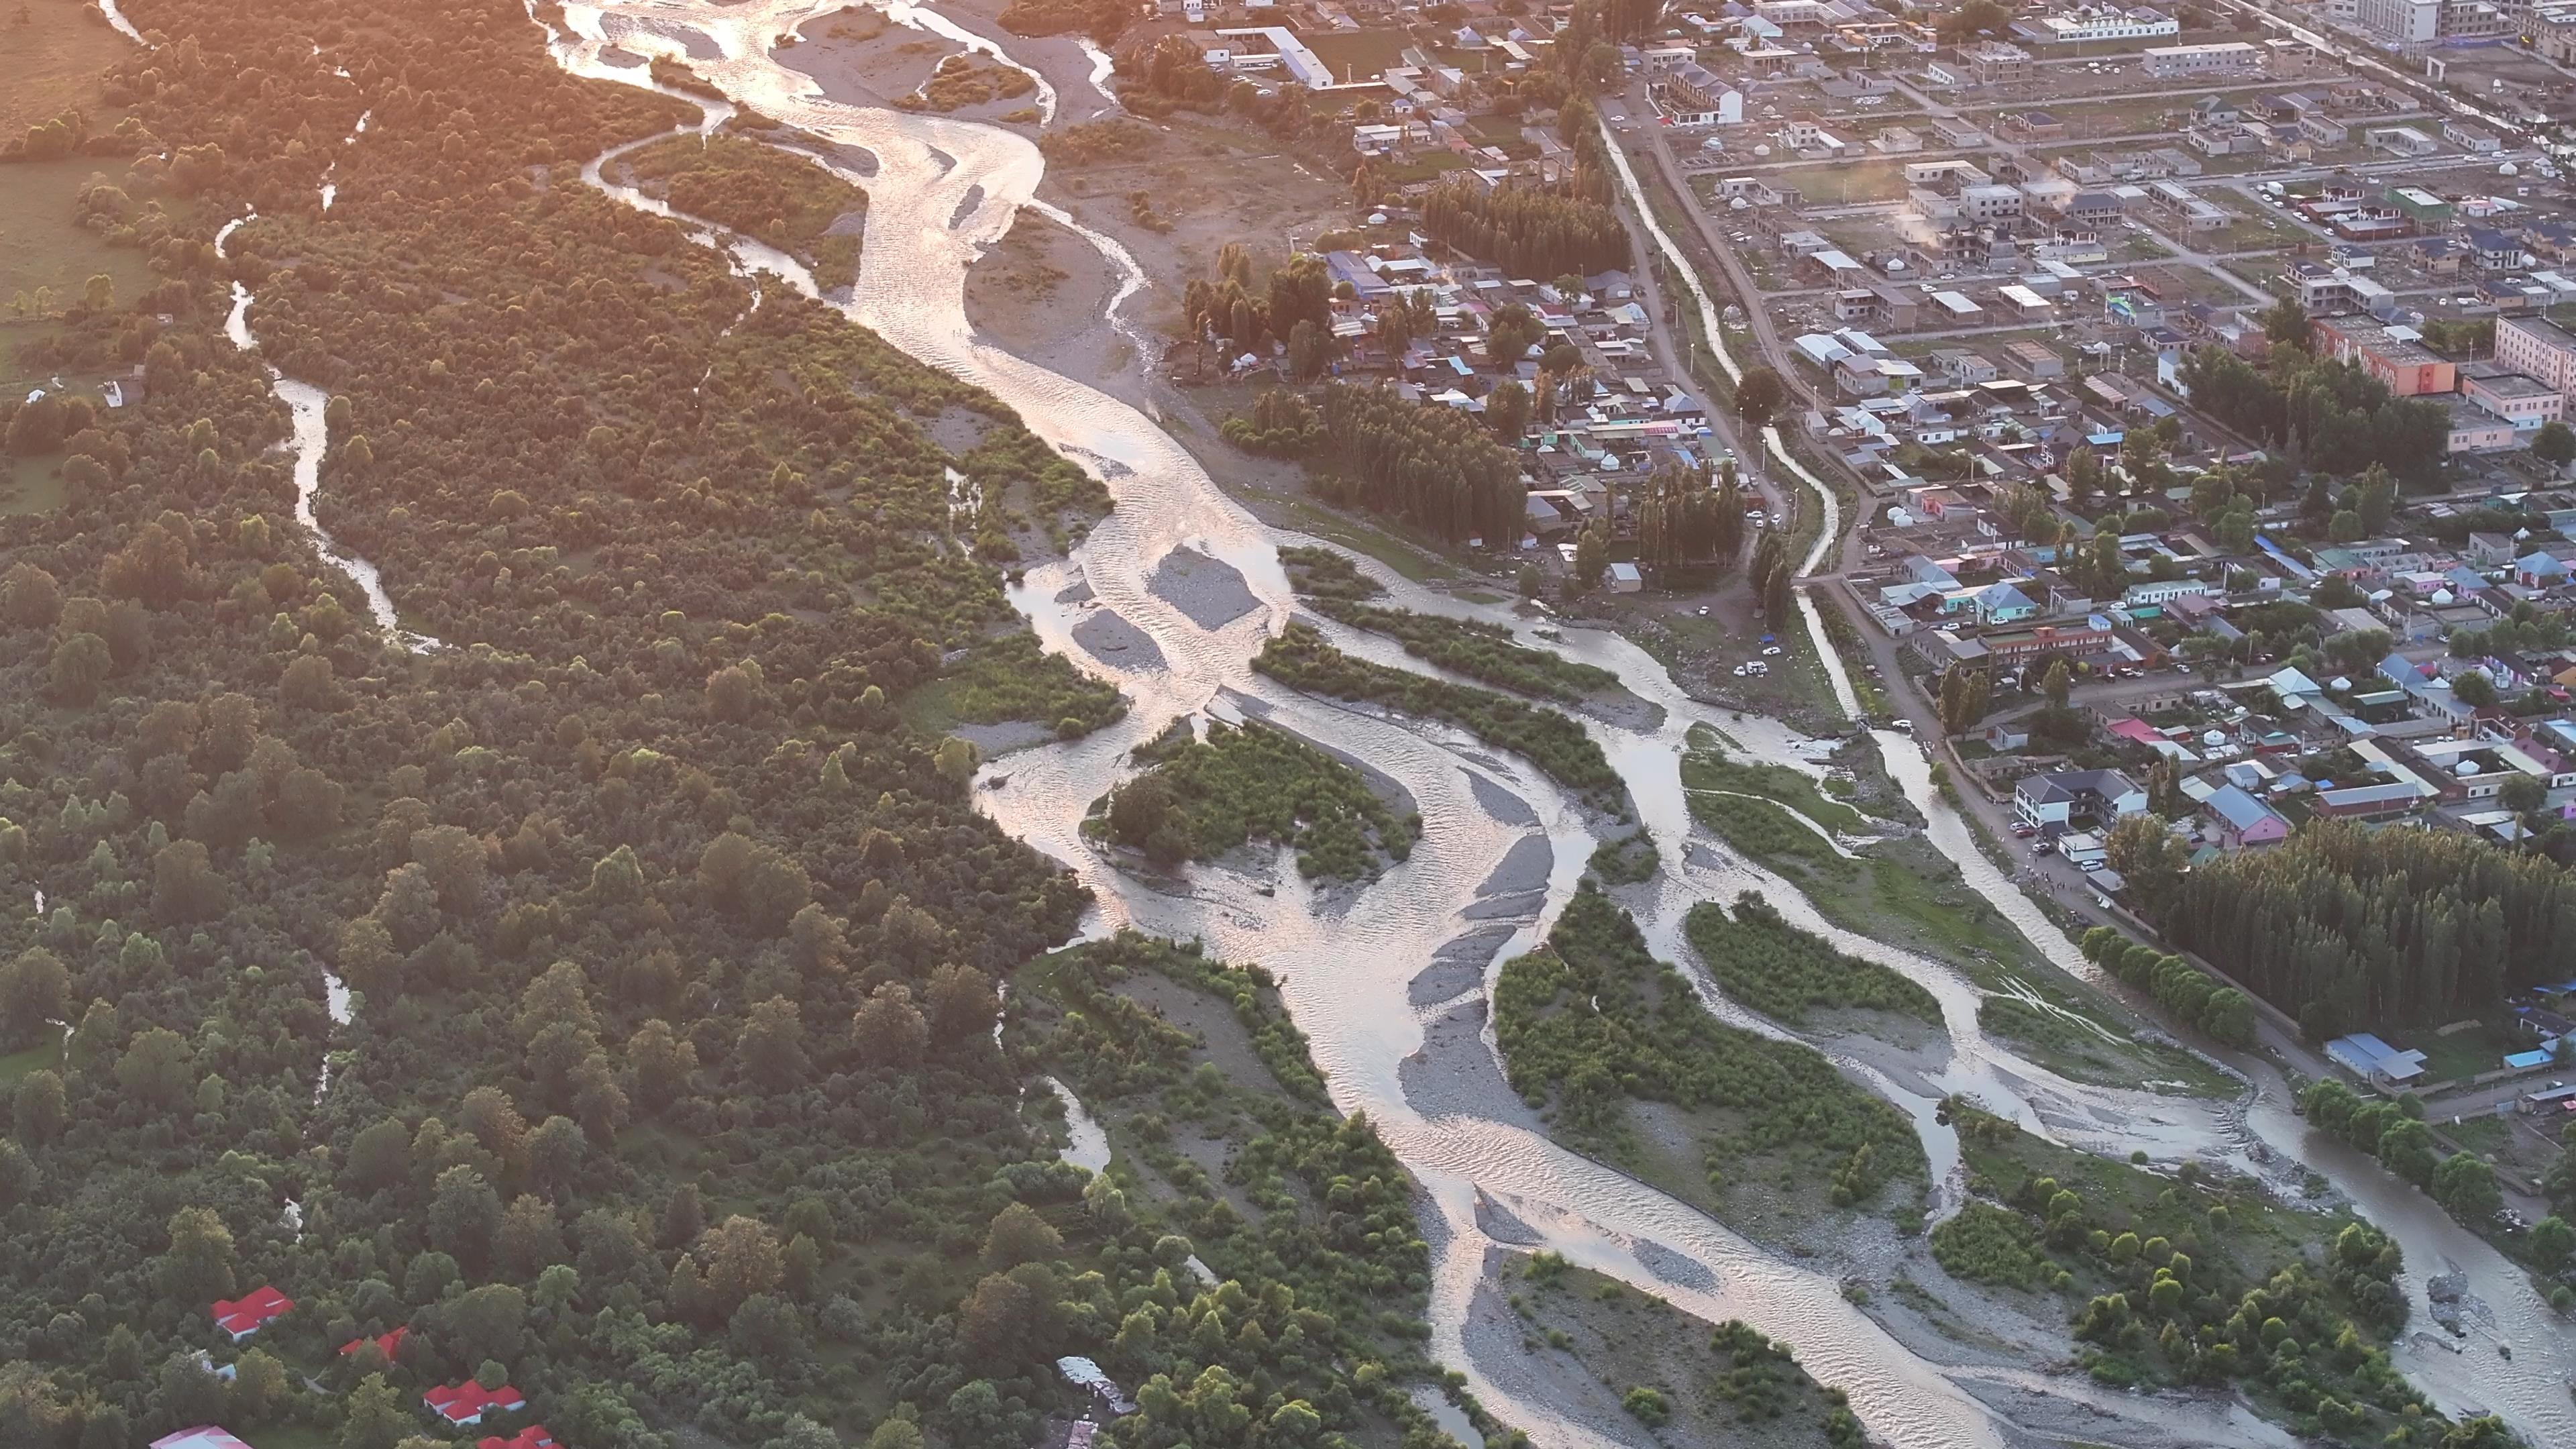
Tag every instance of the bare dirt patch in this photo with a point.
(1039, 289)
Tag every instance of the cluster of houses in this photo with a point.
(463, 1405)
(1622, 416)
(2411, 737)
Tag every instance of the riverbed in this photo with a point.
(944, 190)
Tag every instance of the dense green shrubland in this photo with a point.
(1592, 1020)
(1202, 798)
(1781, 971)
(1301, 657)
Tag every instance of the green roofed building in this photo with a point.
(2427, 211)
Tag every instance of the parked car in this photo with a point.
(2024, 829)
(1772, 652)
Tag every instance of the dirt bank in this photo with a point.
(863, 59)
(1040, 293)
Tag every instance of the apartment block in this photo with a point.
(2538, 349)
(2403, 22)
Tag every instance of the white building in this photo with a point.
(2403, 22)
(2098, 22)
(2227, 57)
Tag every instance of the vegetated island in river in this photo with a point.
(1334, 587)
(1600, 1350)
(1627, 1065)
(1300, 656)
(1224, 1143)
(771, 195)
(2193, 1279)
(1201, 798)
(1791, 975)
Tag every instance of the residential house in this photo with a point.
(2062, 796)
(386, 1343)
(2244, 821)
(254, 1311)
(2001, 603)
(535, 1436)
(467, 1403)
(203, 1436)
(2037, 360)
(1958, 364)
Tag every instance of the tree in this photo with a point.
(374, 1416)
(663, 1062)
(1018, 1235)
(464, 1215)
(39, 1109)
(742, 1257)
(1309, 349)
(1963, 697)
(29, 597)
(2554, 444)
(961, 1003)
(556, 1151)
(34, 992)
(185, 886)
(771, 1046)
(379, 1157)
(1507, 410)
(2285, 322)
(2407, 1148)
(2474, 688)
(1760, 394)
(198, 1266)
(156, 1069)
(2345, 527)
(2148, 857)
(80, 664)
(2466, 1188)
(895, 1434)
(2553, 1243)
(2056, 686)
(1591, 556)
(488, 1322)
(890, 1031)
(2522, 794)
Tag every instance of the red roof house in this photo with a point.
(534, 1436)
(255, 1311)
(389, 1342)
(204, 1436)
(466, 1403)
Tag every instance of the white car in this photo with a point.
(1740, 671)
(1703, 611)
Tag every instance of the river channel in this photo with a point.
(1502, 847)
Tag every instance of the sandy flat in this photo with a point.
(1113, 641)
(1210, 590)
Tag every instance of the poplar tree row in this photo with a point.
(2352, 928)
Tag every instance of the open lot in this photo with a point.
(54, 60)
(45, 259)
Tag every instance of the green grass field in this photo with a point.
(45, 259)
(18, 1064)
(31, 485)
